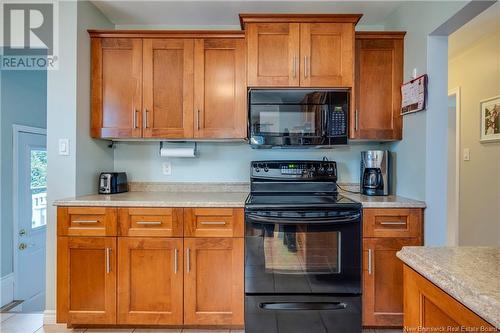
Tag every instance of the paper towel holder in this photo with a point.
(180, 144)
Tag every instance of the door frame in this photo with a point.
(16, 131)
(453, 222)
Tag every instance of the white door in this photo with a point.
(31, 217)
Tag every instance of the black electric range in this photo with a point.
(302, 250)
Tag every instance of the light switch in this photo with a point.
(466, 154)
(167, 168)
(63, 146)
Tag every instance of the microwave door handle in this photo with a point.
(325, 120)
(292, 220)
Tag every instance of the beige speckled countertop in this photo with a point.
(471, 275)
(207, 195)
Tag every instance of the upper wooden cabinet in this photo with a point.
(300, 50)
(172, 85)
(168, 88)
(220, 89)
(379, 75)
(116, 87)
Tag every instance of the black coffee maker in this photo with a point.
(374, 172)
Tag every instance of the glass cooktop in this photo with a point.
(299, 200)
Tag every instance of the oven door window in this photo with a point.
(300, 258)
(290, 249)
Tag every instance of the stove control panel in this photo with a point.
(306, 170)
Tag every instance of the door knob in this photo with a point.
(22, 232)
(22, 246)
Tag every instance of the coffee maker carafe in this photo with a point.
(374, 172)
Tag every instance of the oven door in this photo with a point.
(303, 252)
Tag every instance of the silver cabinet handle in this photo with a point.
(136, 112)
(85, 221)
(213, 222)
(188, 260)
(146, 118)
(108, 265)
(356, 120)
(370, 261)
(393, 223)
(294, 66)
(198, 119)
(175, 260)
(148, 222)
(305, 66)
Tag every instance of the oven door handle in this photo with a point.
(295, 220)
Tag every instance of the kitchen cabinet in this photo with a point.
(385, 232)
(213, 281)
(142, 271)
(300, 50)
(430, 309)
(168, 88)
(220, 88)
(116, 80)
(86, 280)
(150, 281)
(168, 84)
(379, 75)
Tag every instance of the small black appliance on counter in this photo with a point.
(113, 182)
(375, 172)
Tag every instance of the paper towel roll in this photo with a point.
(177, 152)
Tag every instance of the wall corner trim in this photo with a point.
(49, 318)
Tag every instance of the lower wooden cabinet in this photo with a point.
(150, 281)
(383, 281)
(428, 308)
(86, 280)
(213, 282)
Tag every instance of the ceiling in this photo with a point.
(483, 24)
(220, 13)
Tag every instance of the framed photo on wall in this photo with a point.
(490, 119)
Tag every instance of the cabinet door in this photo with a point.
(86, 280)
(150, 282)
(379, 75)
(116, 87)
(168, 88)
(220, 89)
(327, 52)
(273, 54)
(383, 281)
(213, 293)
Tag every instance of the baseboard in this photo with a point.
(49, 317)
(6, 289)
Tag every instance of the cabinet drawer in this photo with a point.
(392, 222)
(154, 222)
(86, 221)
(213, 222)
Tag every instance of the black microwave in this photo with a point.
(297, 118)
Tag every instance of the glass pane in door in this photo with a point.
(38, 187)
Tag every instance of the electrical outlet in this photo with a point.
(466, 154)
(167, 168)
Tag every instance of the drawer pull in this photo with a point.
(393, 223)
(213, 222)
(148, 222)
(85, 221)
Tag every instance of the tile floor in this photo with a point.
(33, 323)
